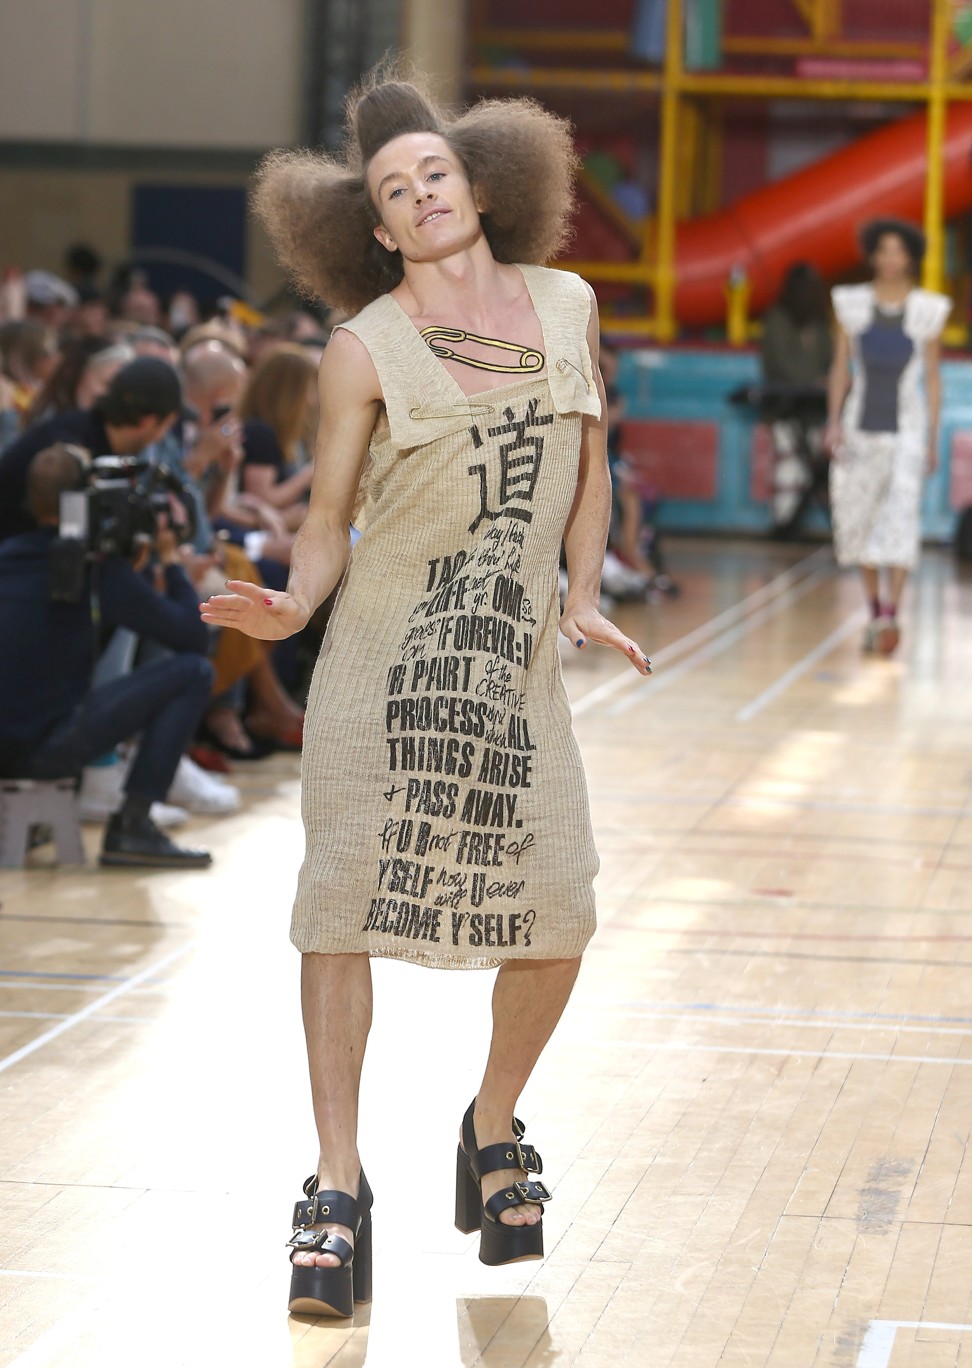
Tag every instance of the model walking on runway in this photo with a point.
(884, 439)
(443, 794)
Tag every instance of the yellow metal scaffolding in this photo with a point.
(682, 93)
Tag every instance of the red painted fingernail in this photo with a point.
(268, 602)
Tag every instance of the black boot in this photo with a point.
(132, 838)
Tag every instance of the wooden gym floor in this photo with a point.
(755, 1114)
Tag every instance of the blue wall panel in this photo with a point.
(694, 385)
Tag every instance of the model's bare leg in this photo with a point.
(872, 583)
(896, 578)
(336, 1001)
(528, 1000)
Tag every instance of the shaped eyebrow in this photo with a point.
(397, 175)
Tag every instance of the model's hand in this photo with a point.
(583, 624)
(833, 440)
(258, 612)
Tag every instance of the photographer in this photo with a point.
(137, 409)
(52, 722)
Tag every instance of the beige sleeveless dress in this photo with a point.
(443, 794)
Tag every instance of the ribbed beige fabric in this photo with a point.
(443, 794)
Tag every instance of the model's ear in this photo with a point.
(385, 238)
(479, 199)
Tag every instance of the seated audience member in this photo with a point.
(137, 409)
(271, 334)
(83, 265)
(182, 313)
(632, 564)
(279, 412)
(213, 382)
(28, 356)
(83, 374)
(10, 419)
(224, 332)
(92, 317)
(52, 721)
(299, 325)
(139, 303)
(50, 300)
(150, 341)
(215, 379)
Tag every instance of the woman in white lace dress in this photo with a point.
(883, 406)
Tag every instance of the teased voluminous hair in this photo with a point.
(910, 234)
(519, 157)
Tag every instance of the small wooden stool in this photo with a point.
(26, 804)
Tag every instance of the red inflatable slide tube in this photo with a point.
(814, 215)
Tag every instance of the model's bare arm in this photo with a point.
(838, 383)
(933, 395)
(350, 397)
(585, 535)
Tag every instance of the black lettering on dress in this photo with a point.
(507, 483)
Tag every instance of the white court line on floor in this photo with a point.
(65, 1016)
(878, 1342)
(73, 987)
(47, 1273)
(819, 1024)
(847, 628)
(742, 800)
(691, 1047)
(119, 990)
(721, 643)
(40, 1016)
(627, 678)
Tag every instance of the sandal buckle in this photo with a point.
(310, 1213)
(529, 1159)
(304, 1239)
(534, 1192)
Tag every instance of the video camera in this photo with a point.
(116, 514)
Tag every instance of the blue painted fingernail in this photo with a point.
(581, 642)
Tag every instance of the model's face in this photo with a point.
(891, 261)
(428, 209)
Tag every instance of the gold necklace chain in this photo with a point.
(529, 359)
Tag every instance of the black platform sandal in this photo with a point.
(333, 1291)
(499, 1243)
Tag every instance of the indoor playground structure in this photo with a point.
(723, 141)
(697, 257)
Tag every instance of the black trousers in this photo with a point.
(162, 703)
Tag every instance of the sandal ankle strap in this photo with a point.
(337, 1208)
(511, 1154)
(504, 1155)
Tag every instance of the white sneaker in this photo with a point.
(202, 793)
(167, 815)
(102, 793)
(618, 579)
